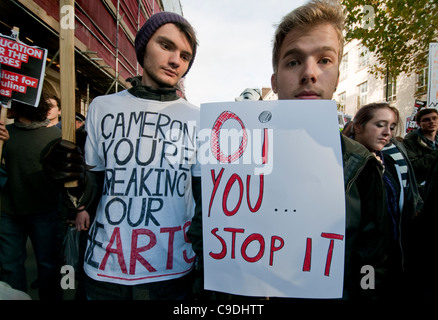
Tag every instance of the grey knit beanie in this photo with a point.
(151, 25)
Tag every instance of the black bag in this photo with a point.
(71, 247)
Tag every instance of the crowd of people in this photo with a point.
(31, 204)
(389, 181)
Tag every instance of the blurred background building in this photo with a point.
(104, 40)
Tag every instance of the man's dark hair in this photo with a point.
(34, 114)
(422, 112)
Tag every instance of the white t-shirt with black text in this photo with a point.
(148, 152)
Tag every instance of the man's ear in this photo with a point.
(337, 82)
(274, 83)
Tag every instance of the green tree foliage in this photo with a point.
(398, 32)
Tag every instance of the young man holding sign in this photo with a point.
(142, 145)
(241, 242)
(307, 51)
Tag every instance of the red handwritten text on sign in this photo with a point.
(232, 239)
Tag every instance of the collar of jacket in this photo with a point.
(423, 141)
(144, 92)
(32, 125)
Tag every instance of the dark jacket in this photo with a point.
(428, 221)
(27, 190)
(366, 220)
(420, 153)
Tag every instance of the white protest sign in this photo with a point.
(273, 198)
(432, 90)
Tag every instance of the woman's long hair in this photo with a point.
(366, 113)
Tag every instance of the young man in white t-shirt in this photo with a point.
(141, 145)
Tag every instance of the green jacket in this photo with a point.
(420, 153)
(366, 220)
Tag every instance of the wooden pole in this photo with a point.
(4, 108)
(67, 70)
(3, 117)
